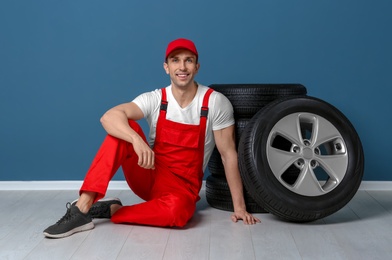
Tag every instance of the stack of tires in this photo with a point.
(299, 157)
(247, 100)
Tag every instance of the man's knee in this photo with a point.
(180, 209)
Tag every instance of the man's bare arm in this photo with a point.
(115, 122)
(225, 142)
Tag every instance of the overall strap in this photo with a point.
(203, 123)
(162, 110)
(163, 101)
(204, 107)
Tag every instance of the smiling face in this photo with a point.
(182, 67)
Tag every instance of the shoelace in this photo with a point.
(67, 215)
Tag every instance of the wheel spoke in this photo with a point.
(289, 128)
(280, 160)
(335, 166)
(323, 131)
(307, 183)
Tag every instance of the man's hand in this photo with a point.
(145, 154)
(246, 217)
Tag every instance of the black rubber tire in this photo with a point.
(240, 124)
(248, 99)
(218, 196)
(269, 189)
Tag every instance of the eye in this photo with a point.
(189, 60)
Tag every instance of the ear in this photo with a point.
(197, 68)
(166, 67)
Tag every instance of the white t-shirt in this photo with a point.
(220, 113)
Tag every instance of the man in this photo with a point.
(186, 121)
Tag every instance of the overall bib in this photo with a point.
(171, 190)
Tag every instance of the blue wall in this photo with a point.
(64, 63)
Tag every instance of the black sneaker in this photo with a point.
(101, 208)
(73, 221)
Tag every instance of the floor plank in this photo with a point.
(145, 243)
(26, 225)
(104, 242)
(229, 240)
(272, 239)
(194, 239)
(317, 242)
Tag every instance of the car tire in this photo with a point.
(218, 196)
(248, 99)
(300, 159)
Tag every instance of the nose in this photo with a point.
(182, 65)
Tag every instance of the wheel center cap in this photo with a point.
(307, 153)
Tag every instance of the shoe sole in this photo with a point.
(85, 227)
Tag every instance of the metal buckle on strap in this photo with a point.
(164, 105)
(204, 111)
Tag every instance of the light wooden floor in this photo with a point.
(361, 230)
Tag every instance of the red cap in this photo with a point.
(181, 43)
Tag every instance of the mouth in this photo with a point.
(182, 75)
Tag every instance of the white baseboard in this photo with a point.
(122, 185)
(54, 185)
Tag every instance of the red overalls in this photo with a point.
(171, 190)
